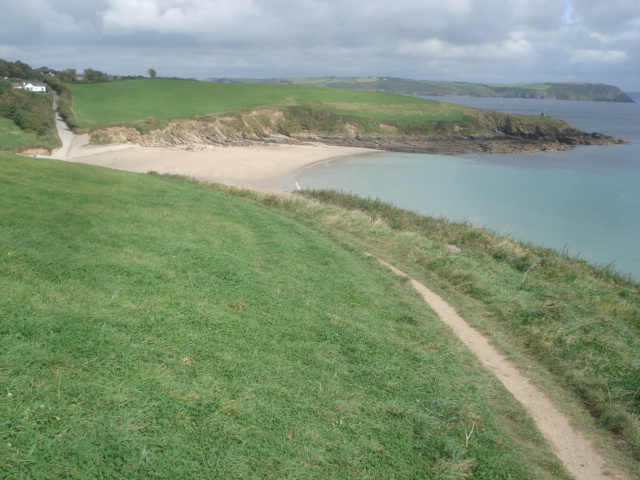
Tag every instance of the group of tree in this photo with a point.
(21, 71)
(18, 70)
(29, 111)
(92, 76)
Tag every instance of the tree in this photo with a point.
(92, 75)
(18, 70)
(152, 73)
(5, 86)
(68, 75)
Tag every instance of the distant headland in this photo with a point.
(551, 90)
(382, 113)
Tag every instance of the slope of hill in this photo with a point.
(240, 112)
(158, 328)
(550, 90)
(152, 328)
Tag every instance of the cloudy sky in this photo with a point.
(490, 41)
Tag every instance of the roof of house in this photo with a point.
(24, 84)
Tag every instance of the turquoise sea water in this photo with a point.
(585, 201)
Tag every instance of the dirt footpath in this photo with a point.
(570, 445)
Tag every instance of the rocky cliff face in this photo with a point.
(504, 134)
(254, 126)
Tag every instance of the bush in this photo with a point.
(30, 111)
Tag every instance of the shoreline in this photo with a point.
(269, 167)
(257, 165)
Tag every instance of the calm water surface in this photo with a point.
(585, 201)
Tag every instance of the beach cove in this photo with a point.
(260, 166)
(585, 202)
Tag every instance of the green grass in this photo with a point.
(570, 325)
(150, 104)
(403, 86)
(135, 101)
(11, 135)
(156, 329)
(579, 322)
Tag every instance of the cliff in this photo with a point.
(494, 133)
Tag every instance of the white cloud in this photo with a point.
(466, 40)
(199, 18)
(599, 57)
(606, 16)
(513, 49)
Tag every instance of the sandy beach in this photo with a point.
(261, 166)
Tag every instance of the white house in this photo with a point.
(30, 87)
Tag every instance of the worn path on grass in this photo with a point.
(570, 445)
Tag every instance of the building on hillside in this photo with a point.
(48, 72)
(30, 87)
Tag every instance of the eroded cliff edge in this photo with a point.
(492, 133)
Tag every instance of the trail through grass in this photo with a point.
(579, 321)
(155, 329)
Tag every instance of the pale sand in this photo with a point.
(264, 167)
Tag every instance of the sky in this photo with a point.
(480, 41)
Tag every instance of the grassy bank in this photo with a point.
(136, 100)
(574, 324)
(153, 328)
(578, 320)
(11, 135)
(306, 109)
(27, 121)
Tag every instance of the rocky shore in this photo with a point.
(461, 144)
(506, 138)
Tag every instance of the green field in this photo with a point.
(150, 104)
(158, 329)
(11, 135)
(135, 101)
(404, 86)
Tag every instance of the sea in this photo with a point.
(584, 202)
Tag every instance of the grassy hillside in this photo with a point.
(151, 328)
(572, 326)
(562, 91)
(305, 109)
(577, 321)
(11, 134)
(26, 121)
(168, 99)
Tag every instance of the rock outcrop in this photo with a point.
(459, 144)
(506, 135)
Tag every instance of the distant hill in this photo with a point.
(635, 96)
(232, 112)
(559, 91)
